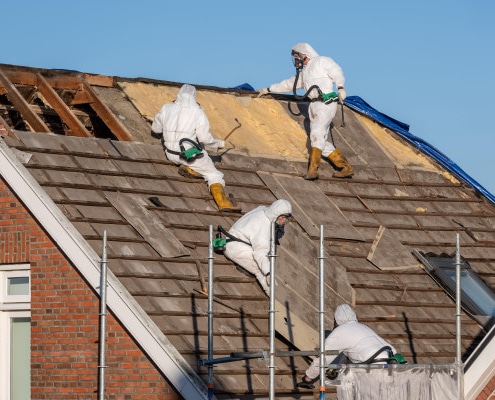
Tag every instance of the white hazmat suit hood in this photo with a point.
(187, 97)
(305, 48)
(278, 208)
(344, 314)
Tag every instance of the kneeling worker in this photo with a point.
(183, 127)
(359, 343)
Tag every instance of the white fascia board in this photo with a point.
(481, 367)
(84, 258)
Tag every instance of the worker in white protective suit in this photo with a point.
(319, 76)
(249, 239)
(184, 130)
(356, 341)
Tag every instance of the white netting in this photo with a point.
(398, 382)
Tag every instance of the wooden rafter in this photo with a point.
(106, 115)
(46, 85)
(36, 123)
(61, 108)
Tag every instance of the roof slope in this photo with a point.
(399, 199)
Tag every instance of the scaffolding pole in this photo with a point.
(460, 375)
(103, 321)
(272, 256)
(322, 314)
(210, 313)
(247, 355)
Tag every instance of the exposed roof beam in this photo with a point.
(81, 97)
(46, 85)
(22, 106)
(106, 115)
(31, 79)
(61, 108)
(57, 78)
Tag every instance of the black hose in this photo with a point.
(294, 88)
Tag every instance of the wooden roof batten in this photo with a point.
(46, 87)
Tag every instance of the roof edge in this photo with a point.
(480, 366)
(157, 347)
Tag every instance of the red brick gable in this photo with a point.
(488, 392)
(65, 322)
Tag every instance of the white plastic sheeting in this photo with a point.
(398, 382)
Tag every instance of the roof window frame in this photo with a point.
(442, 269)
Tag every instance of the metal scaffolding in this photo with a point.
(398, 381)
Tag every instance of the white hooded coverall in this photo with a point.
(255, 228)
(357, 341)
(184, 118)
(326, 74)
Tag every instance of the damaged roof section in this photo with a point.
(44, 101)
(157, 221)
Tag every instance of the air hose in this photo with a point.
(324, 97)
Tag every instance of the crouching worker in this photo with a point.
(356, 342)
(184, 128)
(249, 239)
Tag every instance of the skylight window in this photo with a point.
(477, 297)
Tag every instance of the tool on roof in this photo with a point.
(156, 201)
(342, 108)
(229, 134)
(233, 130)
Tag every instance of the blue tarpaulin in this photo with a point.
(244, 86)
(359, 105)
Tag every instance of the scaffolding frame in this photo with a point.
(457, 366)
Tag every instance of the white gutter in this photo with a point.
(480, 366)
(127, 310)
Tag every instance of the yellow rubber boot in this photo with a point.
(314, 163)
(187, 172)
(223, 203)
(337, 158)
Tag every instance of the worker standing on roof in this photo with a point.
(319, 76)
(184, 129)
(249, 239)
(356, 341)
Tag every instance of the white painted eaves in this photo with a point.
(480, 367)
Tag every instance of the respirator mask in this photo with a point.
(298, 59)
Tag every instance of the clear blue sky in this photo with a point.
(430, 64)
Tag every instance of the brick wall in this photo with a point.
(488, 393)
(65, 322)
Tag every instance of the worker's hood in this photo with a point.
(344, 314)
(278, 208)
(305, 48)
(187, 96)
